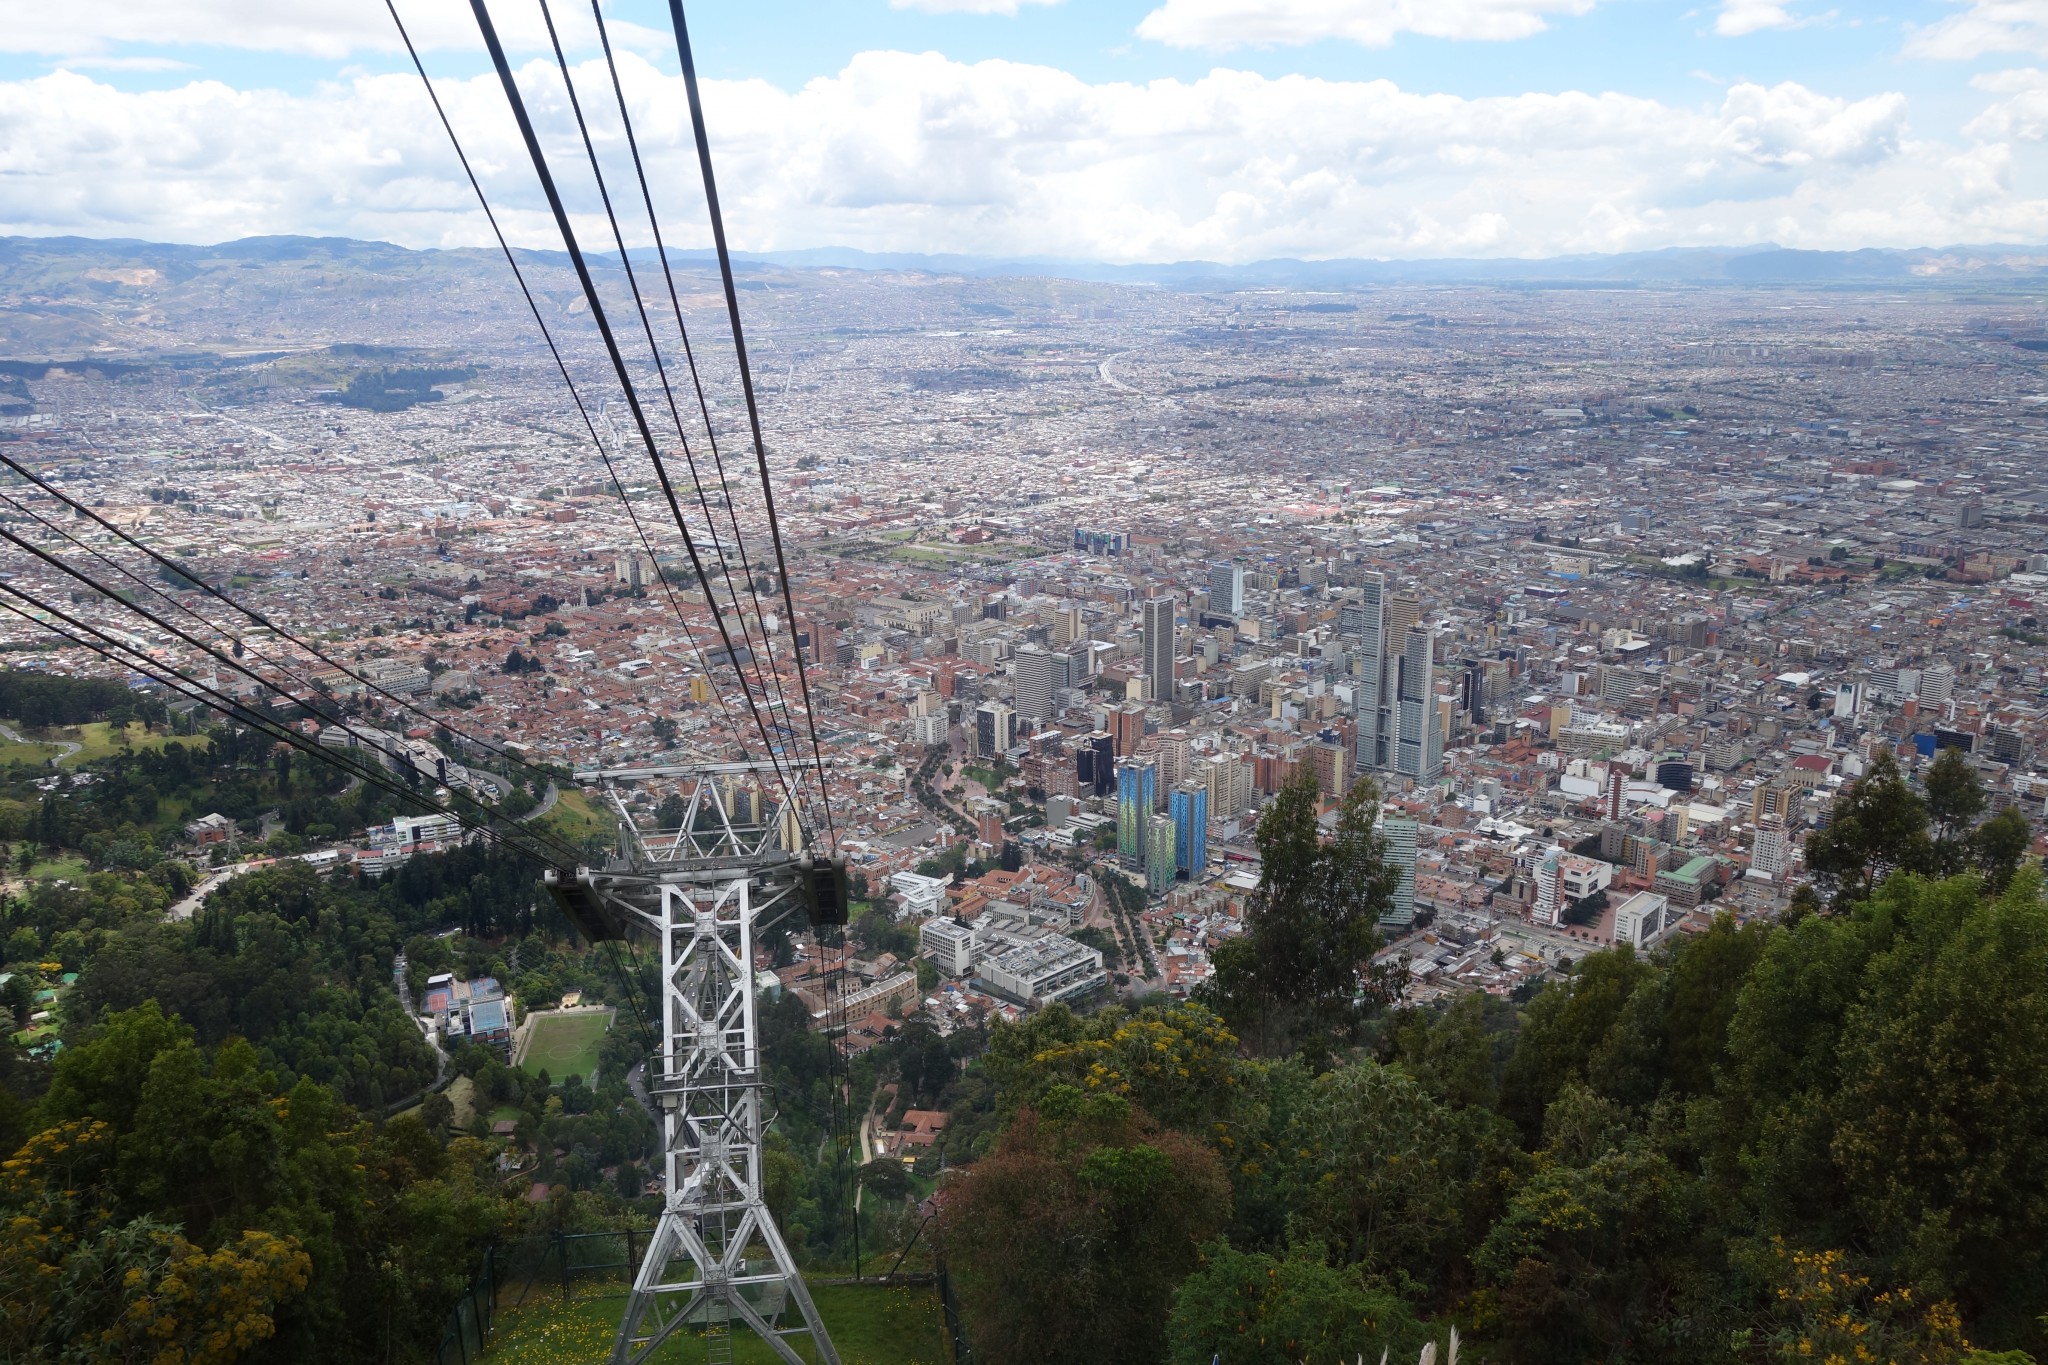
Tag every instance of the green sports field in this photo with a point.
(565, 1044)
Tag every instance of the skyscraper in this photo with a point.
(1136, 783)
(1095, 764)
(995, 729)
(1617, 790)
(1155, 633)
(1159, 859)
(1226, 589)
(1126, 729)
(1420, 750)
(1034, 676)
(1191, 829)
(1400, 836)
(1548, 909)
(1363, 626)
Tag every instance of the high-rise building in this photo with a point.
(1034, 676)
(1226, 589)
(1548, 909)
(1136, 786)
(1332, 765)
(1616, 795)
(1095, 764)
(1475, 691)
(1771, 852)
(1420, 750)
(995, 729)
(1126, 729)
(1937, 684)
(1399, 837)
(1190, 811)
(1155, 633)
(1159, 856)
(1362, 626)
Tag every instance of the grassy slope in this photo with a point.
(870, 1326)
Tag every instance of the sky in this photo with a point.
(1147, 131)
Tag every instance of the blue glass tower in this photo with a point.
(1191, 829)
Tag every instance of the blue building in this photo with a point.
(1136, 796)
(1190, 809)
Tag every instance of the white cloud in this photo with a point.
(1006, 7)
(1221, 25)
(330, 29)
(1984, 26)
(902, 152)
(2022, 115)
(1739, 17)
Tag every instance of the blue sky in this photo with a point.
(1149, 129)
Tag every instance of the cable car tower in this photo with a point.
(704, 891)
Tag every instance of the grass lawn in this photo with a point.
(574, 819)
(870, 1326)
(96, 740)
(565, 1044)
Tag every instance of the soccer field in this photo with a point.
(565, 1045)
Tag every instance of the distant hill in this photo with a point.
(71, 296)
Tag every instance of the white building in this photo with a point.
(1044, 970)
(923, 896)
(1771, 853)
(949, 943)
(1644, 918)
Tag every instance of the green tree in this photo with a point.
(1563, 1028)
(1876, 826)
(1999, 847)
(1297, 979)
(1249, 1308)
(1380, 1187)
(1955, 796)
(1066, 1242)
(1944, 1097)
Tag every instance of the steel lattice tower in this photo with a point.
(704, 890)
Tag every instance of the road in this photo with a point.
(547, 803)
(185, 908)
(66, 745)
(426, 1029)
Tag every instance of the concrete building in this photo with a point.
(995, 729)
(1400, 835)
(1155, 633)
(1644, 918)
(1226, 589)
(949, 943)
(1035, 676)
(1043, 971)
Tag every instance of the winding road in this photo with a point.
(66, 745)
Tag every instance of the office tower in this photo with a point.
(1173, 759)
(1399, 837)
(1095, 764)
(1155, 632)
(1066, 626)
(1937, 684)
(1127, 729)
(1136, 783)
(1034, 677)
(1617, 791)
(1419, 752)
(1362, 625)
(995, 729)
(1332, 766)
(1475, 692)
(1080, 658)
(1159, 859)
(1549, 907)
(1226, 589)
(1771, 852)
(1191, 829)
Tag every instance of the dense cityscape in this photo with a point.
(1607, 598)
